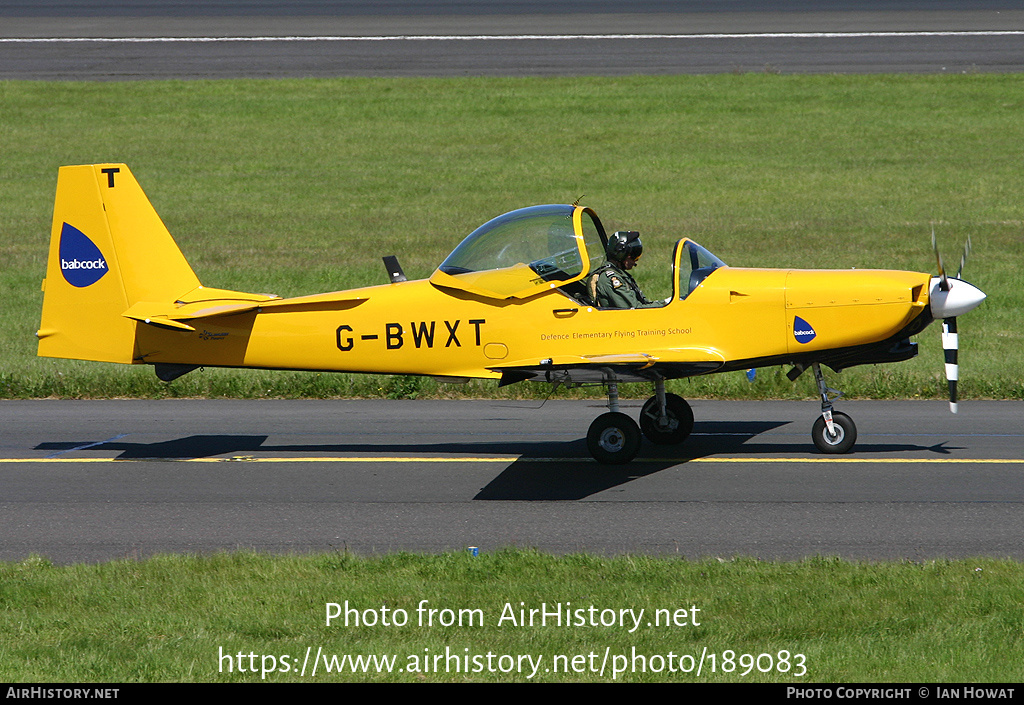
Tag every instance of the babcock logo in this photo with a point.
(802, 330)
(81, 262)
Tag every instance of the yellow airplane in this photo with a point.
(510, 303)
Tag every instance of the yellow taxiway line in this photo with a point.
(514, 458)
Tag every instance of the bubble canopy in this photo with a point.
(526, 252)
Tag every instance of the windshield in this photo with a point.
(695, 264)
(519, 253)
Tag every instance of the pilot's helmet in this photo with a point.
(623, 244)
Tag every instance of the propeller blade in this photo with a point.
(950, 347)
(949, 298)
(943, 282)
(963, 257)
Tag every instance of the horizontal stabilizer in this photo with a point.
(190, 307)
(154, 314)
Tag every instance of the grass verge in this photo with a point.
(198, 619)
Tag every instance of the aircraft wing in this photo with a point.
(211, 303)
(670, 363)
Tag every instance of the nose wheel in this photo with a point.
(840, 439)
(833, 432)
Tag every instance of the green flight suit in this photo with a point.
(611, 287)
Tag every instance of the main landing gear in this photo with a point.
(614, 438)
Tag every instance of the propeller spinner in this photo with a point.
(951, 297)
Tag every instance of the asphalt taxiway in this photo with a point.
(99, 480)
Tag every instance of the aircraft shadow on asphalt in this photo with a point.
(545, 470)
(530, 478)
(186, 448)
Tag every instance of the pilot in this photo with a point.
(610, 285)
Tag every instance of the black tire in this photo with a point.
(613, 438)
(680, 418)
(846, 434)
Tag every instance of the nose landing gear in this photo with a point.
(833, 432)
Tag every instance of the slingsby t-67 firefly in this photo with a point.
(510, 303)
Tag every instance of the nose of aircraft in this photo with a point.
(960, 298)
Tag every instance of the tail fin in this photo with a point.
(109, 250)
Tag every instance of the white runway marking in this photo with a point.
(513, 37)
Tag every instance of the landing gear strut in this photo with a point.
(614, 438)
(833, 432)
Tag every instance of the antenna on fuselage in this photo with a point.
(395, 273)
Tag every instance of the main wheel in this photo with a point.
(679, 422)
(613, 438)
(842, 441)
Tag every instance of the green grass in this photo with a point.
(171, 618)
(300, 186)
